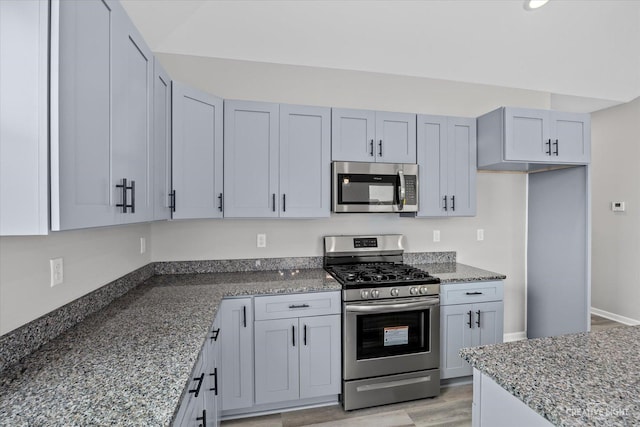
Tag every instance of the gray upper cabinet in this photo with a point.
(305, 163)
(446, 149)
(197, 153)
(373, 136)
(528, 139)
(276, 160)
(24, 191)
(161, 146)
(101, 109)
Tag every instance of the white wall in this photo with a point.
(501, 196)
(616, 235)
(92, 258)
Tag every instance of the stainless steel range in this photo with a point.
(391, 321)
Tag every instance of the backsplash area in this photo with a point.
(23, 341)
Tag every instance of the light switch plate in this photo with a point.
(261, 241)
(436, 235)
(57, 271)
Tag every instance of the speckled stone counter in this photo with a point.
(587, 379)
(456, 272)
(128, 364)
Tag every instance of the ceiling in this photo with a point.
(588, 50)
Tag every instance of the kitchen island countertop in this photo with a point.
(585, 379)
(128, 364)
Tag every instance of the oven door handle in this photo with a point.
(390, 307)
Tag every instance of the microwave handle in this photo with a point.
(401, 199)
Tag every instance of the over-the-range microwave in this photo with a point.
(374, 187)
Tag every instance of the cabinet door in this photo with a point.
(192, 405)
(305, 161)
(276, 370)
(353, 135)
(197, 153)
(395, 137)
(132, 93)
(212, 375)
(236, 347)
(433, 166)
(571, 137)
(251, 159)
(461, 170)
(526, 135)
(24, 52)
(455, 334)
(81, 85)
(320, 356)
(161, 146)
(489, 322)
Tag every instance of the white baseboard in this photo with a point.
(515, 336)
(615, 317)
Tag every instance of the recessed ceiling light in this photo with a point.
(534, 4)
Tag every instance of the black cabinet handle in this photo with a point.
(172, 204)
(220, 202)
(200, 379)
(305, 335)
(474, 293)
(293, 335)
(292, 306)
(215, 381)
(445, 202)
(284, 203)
(380, 148)
(556, 144)
(214, 334)
(371, 151)
(478, 321)
(469, 322)
(548, 144)
(273, 202)
(203, 418)
(244, 315)
(453, 203)
(124, 203)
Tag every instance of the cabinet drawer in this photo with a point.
(471, 292)
(297, 305)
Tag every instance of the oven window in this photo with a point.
(390, 334)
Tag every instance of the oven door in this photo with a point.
(391, 336)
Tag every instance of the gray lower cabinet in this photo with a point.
(200, 406)
(236, 347)
(373, 136)
(446, 148)
(24, 194)
(510, 138)
(161, 146)
(197, 160)
(471, 314)
(297, 347)
(276, 160)
(101, 109)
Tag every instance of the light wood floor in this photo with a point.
(452, 409)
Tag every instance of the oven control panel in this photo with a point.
(365, 242)
(391, 292)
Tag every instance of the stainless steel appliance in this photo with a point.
(391, 321)
(374, 187)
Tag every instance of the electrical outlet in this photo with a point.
(480, 234)
(261, 240)
(143, 245)
(57, 271)
(436, 235)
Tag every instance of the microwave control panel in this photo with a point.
(410, 189)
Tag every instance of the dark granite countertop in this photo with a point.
(586, 379)
(128, 364)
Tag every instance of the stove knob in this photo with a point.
(413, 291)
(375, 293)
(395, 292)
(364, 294)
(424, 290)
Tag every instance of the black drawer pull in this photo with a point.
(293, 335)
(474, 293)
(200, 379)
(214, 334)
(215, 381)
(244, 315)
(305, 334)
(203, 418)
(469, 322)
(478, 321)
(292, 306)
